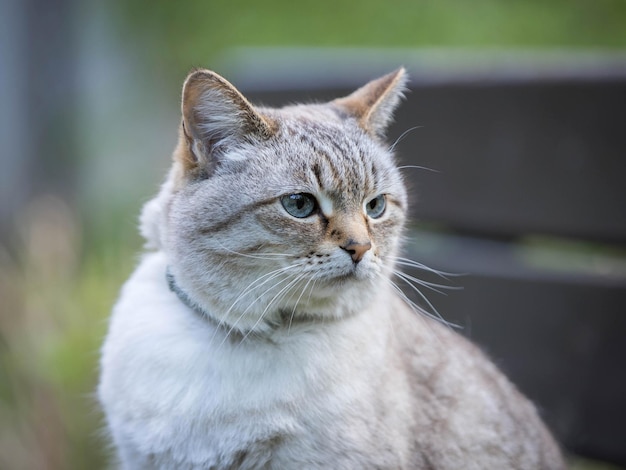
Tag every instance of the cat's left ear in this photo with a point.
(374, 103)
(216, 118)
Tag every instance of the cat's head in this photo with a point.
(274, 214)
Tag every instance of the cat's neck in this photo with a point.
(284, 321)
(185, 299)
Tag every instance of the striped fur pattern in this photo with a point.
(282, 341)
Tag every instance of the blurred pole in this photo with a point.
(38, 94)
(13, 141)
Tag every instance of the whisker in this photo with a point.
(418, 310)
(293, 311)
(434, 313)
(415, 307)
(418, 167)
(234, 325)
(272, 275)
(402, 136)
(280, 294)
(265, 256)
(312, 289)
(407, 280)
(429, 285)
(415, 264)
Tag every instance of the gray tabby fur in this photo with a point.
(287, 350)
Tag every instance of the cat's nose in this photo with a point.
(357, 249)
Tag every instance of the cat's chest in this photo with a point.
(186, 399)
(253, 404)
(173, 386)
(186, 381)
(200, 378)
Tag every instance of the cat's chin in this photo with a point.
(339, 296)
(355, 277)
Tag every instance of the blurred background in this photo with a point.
(89, 95)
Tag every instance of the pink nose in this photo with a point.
(357, 250)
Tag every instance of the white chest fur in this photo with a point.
(175, 391)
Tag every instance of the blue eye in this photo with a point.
(376, 206)
(299, 205)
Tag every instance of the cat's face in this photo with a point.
(277, 215)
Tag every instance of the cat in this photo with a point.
(261, 330)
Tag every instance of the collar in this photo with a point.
(184, 297)
(233, 334)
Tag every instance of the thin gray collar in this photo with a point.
(233, 334)
(185, 299)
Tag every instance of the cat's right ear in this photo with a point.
(216, 117)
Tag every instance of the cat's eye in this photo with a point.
(299, 205)
(376, 206)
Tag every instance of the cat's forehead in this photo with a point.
(333, 154)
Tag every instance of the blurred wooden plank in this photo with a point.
(520, 158)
